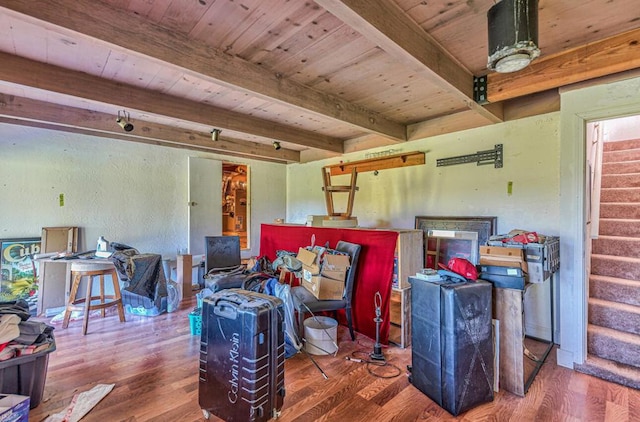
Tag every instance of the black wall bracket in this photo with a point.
(492, 156)
(480, 90)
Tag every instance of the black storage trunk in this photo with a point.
(452, 343)
(242, 356)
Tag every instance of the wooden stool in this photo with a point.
(92, 270)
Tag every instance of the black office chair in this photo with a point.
(304, 301)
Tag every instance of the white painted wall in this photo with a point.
(621, 129)
(127, 192)
(395, 197)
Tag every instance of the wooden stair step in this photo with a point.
(621, 168)
(625, 210)
(621, 156)
(626, 227)
(619, 195)
(614, 315)
(609, 370)
(614, 289)
(616, 245)
(613, 345)
(628, 144)
(615, 266)
(627, 180)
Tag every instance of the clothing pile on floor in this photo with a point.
(20, 336)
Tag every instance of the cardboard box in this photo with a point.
(323, 288)
(14, 408)
(335, 266)
(324, 280)
(503, 257)
(310, 260)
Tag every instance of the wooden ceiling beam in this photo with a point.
(124, 137)
(134, 34)
(611, 55)
(35, 113)
(92, 88)
(385, 23)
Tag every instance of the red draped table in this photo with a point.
(374, 272)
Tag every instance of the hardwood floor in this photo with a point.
(153, 362)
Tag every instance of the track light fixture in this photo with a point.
(276, 145)
(124, 121)
(215, 134)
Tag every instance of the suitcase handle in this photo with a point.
(226, 311)
(227, 306)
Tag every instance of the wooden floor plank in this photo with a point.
(153, 362)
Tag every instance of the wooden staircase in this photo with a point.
(613, 333)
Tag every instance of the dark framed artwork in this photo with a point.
(484, 226)
(18, 274)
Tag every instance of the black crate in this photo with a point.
(504, 277)
(26, 375)
(452, 343)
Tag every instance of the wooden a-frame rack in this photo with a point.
(355, 167)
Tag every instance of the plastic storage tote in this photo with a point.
(26, 375)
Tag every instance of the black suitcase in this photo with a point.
(452, 342)
(242, 356)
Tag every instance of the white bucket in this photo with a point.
(321, 335)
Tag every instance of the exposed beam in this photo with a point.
(134, 34)
(92, 88)
(52, 126)
(463, 120)
(385, 23)
(46, 115)
(611, 55)
(532, 105)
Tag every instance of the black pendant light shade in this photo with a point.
(513, 35)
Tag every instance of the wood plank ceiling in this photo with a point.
(321, 78)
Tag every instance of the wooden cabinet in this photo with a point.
(408, 261)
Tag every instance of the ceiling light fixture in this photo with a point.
(215, 134)
(513, 35)
(276, 145)
(124, 121)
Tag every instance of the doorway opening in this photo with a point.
(235, 202)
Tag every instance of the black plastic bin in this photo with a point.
(26, 375)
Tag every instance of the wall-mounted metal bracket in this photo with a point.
(492, 156)
(480, 90)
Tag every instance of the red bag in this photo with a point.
(461, 267)
(524, 238)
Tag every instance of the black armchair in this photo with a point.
(304, 301)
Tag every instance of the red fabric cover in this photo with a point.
(374, 272)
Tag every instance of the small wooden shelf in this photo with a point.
(408, 262)
(382, 163)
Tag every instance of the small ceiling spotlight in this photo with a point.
(276, 145)
(124, 121)
(215, 135)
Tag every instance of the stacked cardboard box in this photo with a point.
(504, 267)
(323, 274)
(536, 261)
